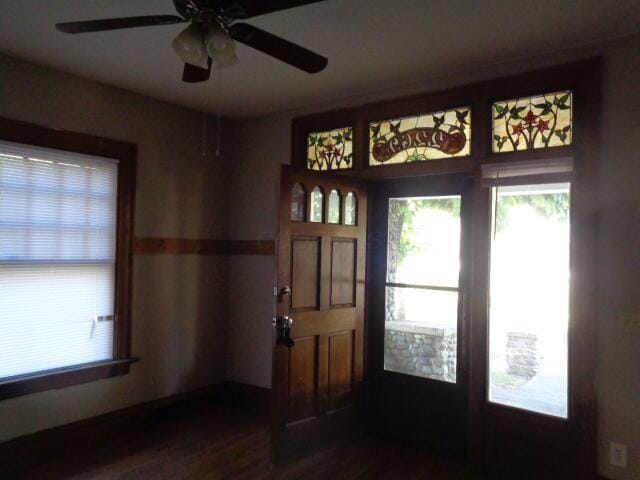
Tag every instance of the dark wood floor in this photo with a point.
(213, 442)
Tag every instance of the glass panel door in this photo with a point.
(529, 298)
(422, 286)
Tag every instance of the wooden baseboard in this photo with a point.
(253, 398)
(47, 444)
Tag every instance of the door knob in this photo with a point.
(283, 330)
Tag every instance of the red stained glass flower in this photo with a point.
(531, 118)
(542, 125)
(518, 129)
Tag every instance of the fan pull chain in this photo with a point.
(219, 107)
(204, 122)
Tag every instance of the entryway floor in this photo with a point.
(213, 442)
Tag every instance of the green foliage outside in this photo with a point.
(402, 213)
(550, 205)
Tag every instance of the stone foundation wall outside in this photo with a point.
(419, 350)
(523, 356)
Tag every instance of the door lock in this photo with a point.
(283, 330)
(283, 292)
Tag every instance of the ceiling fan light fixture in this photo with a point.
(220, 47)
(189, 46)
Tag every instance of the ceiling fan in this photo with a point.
(212, 31)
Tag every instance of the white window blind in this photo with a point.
(57, 258)
(526, 171)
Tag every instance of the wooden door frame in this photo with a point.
(584, 80)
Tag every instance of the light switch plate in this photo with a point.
(618, 454)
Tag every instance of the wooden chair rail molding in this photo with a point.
(202, 246)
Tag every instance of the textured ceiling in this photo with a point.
(370, 44)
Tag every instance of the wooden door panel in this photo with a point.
(302, 379)
(528, 453)
(305, 272)
(317, 379)
(340, 369)
(343, 272)
(310, 322)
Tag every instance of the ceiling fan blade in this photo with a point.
(193, 74)
(117, 23)
(277, 47)
(241, 9)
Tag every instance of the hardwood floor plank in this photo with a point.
(218, 443)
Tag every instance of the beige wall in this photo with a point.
(179, 302)
(263, 144)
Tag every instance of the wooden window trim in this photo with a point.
(478, 96)
(125, 153)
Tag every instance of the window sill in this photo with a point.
(63, 377)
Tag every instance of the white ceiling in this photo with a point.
(370, 44)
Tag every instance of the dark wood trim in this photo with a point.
(125, 154)
(250, 397)
(580, 429)
(203, 246)
(63, 377)
(250, 247)
(38, 135)
(584, 79)
(583, 326)
(477, 95)
(124, 254)
(47, 444)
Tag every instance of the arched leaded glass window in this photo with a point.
(317, 211)
(333, 215)
(350, 209)
(298, 202)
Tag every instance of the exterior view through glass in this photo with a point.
(423, 268)
(529, 298)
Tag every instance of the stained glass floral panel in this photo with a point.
(431, 136)
(330, 150)
(533, 122)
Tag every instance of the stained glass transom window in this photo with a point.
(533, 122)
(330, 150)
(430, 136)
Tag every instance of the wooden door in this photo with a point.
(321, 258)
(418, 368)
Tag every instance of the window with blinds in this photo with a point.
(57, 258)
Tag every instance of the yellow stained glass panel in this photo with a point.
(533, 122)
(330, 150)
(430, 136)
